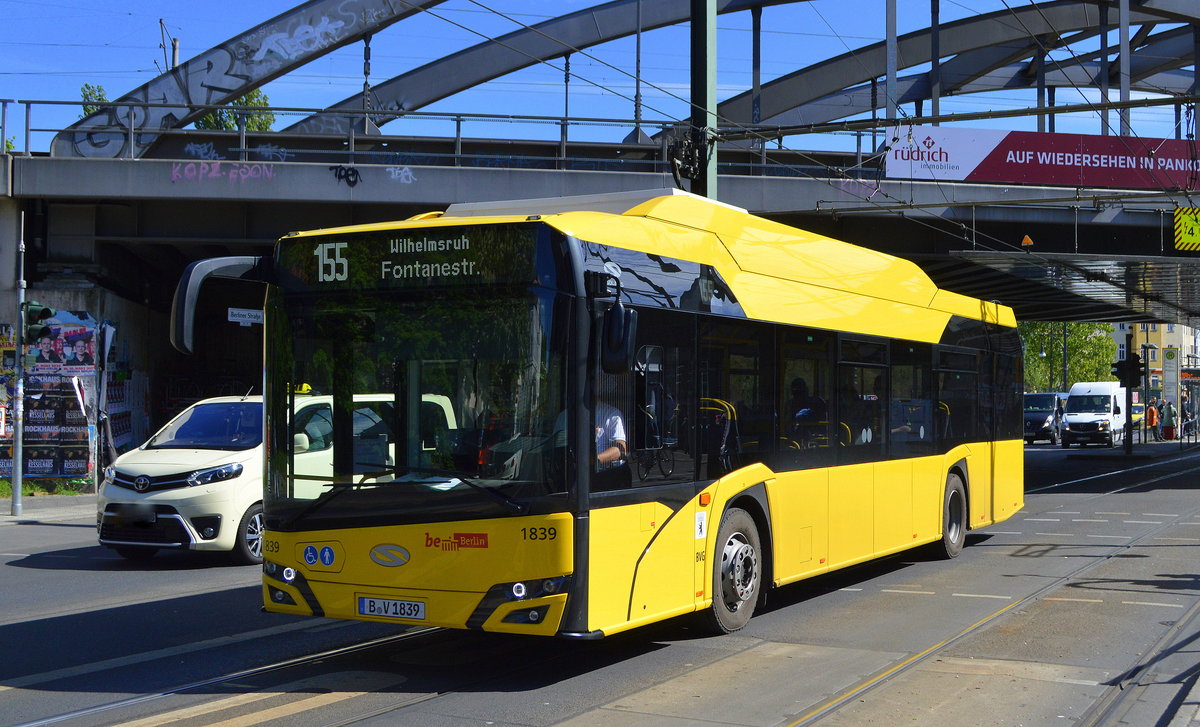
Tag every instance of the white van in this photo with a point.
(194, 485)
(1094, 413)
(198, 483)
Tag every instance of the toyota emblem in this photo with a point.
(141, 483)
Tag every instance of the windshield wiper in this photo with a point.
(322, 500)
(519, 507)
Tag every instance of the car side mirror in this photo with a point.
(299, 443)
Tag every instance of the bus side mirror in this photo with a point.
(617, 340)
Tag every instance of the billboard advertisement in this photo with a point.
(56, 441)
(940, 153)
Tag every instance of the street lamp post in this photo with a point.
(1146, 384)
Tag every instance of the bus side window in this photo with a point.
(806, 435)
(662, 447)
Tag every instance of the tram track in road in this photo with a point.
(1120, 695)
(232, 677)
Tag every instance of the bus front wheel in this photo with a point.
(737, 572)
(954, 517)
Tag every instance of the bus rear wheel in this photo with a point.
(737, 572)
(954, 517)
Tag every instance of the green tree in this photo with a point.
(93, 98)
(226, 119)
(10, 143)
(1090, 351)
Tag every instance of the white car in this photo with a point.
(195, 485)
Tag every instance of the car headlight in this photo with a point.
(214, 474)
(1049, 421)
(1104, 424)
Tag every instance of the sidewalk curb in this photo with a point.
(48, 508)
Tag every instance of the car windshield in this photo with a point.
(1089, 404)
(218, 425)
(1039, 402)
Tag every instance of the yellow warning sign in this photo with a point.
(1187, 228)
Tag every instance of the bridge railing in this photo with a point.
(429, 139)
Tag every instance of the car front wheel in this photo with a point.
(247, 549)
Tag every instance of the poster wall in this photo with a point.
(943, 153)
(56, 438)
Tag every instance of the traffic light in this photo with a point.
(34, 313)
(1130, 371)
(1136, 371)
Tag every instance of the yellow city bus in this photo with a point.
(514, 418)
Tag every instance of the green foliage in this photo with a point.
(41, 486)
(10, 143)
(93, 96)
(226, 119)
(1090, 351)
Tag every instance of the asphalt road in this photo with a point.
(1079, 610)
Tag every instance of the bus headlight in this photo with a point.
(214, 474)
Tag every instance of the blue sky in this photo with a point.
(50, 48)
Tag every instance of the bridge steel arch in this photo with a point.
(228, 71)
(987, 69)
(979, 45)
(520, 49)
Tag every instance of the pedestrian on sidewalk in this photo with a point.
(1152, 419)
(1169, 417)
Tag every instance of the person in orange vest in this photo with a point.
(1152, 420)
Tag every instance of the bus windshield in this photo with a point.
(413, 408)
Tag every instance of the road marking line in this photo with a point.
(1159, 514)
(1119, 537)
(1004, 532)
(1114, 513)
(915, 593)
(375, 682)
(982, 595)
(1182, 540)
(1151, 603)
(1142, 522)
(145, 656)
(852, 590)
(1068, 512)
(15, 555)
(1085, 520)
(1058, 535)
(1073, 600)
(1043, 519)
